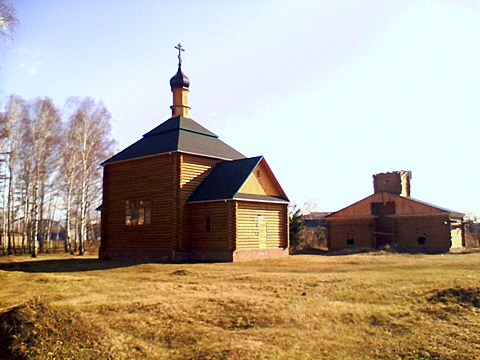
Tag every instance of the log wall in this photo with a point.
(276, 218)
(220, 235)
(151, 178)
(178, 230)
(193, 170)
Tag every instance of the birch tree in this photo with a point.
(25, 175)
(89, 129)
(40, 143)
(3, 137)
(47, 165)
(8, 20)
(11, 130)
(69, 168)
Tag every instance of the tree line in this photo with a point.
(8, 20)
(50, 172)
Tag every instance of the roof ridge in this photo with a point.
(177, 134)
(407, 198)
(178, 123)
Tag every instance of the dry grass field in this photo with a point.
(363, 306)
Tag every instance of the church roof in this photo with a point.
(182, 123)
(178, 134)
(225, 181)
(415, 208)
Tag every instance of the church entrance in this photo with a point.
(262, 232)
(384, 226)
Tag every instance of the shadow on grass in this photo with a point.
(310, 252)
(383, 251)
(325, 252)
(64, 265)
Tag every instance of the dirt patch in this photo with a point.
(458, 296)
(36, 330)
(16, 331)
(181, 272)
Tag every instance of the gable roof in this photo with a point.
(420, 208)
(437, 208)
(227, 178)
(177, 134)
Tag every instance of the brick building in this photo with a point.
(391, 218)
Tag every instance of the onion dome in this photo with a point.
(179, 80)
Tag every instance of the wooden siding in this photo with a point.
(167, 181)
(222, 225)
(261, 182)
(247, 228)
(149, 178)
(193, 170)
(252, 186)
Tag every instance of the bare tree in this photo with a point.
(69, 168)
(89, 130)
(3, 136)
(11, 128)
(25, 176)
(39, 144)
(8, 20)
(40, 174)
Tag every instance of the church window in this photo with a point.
(208, 223)
(421, 240)
(350, 242)
(138, 212)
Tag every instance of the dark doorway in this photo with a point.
(383, 229)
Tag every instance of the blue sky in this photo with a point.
(330, 92)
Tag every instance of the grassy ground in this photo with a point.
(364, 306)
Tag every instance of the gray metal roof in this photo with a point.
(180, 122)
(178, 134)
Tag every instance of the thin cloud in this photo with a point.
(32, 69)
(24, 50)
(30, 60)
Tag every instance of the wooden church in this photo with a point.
(391, 218)
(181, 194)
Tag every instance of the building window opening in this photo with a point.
(421, 240)
(350, 242)
(208, 223)
(138, 212)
